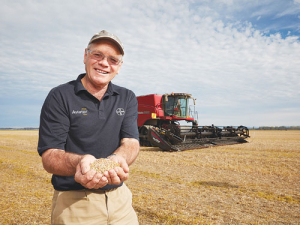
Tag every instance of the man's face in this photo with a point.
(100, 72)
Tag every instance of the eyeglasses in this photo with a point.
(99, 56)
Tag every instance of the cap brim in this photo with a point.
(108, 38)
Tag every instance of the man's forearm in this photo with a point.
(60, 162)
(129, 149)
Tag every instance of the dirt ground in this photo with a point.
(253, 183)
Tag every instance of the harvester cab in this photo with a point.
(177, 105)
(159, 123)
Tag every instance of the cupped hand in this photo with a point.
(119, 174)
(89, 178)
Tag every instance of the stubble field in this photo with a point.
(253, 183)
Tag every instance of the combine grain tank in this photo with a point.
(160, 124)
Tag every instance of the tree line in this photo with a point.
(278, 128)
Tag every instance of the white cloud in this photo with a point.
(233, 69)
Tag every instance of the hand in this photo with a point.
(119, 174)
(89, 178)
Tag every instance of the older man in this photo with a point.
(87, 119)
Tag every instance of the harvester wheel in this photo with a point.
(144, 141)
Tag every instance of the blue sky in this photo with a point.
(240, 59)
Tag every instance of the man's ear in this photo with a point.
(121, 63)
(85, 56)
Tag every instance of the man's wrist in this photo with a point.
(111, 155)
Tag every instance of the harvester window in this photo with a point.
(177, 106)
(169, 106)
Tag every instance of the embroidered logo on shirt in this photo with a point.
(83, 111)
(120, 111)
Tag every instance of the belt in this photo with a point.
(99, 191)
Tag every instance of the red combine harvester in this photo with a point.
(159, 124)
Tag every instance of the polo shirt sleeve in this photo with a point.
(54, 123)
(129, 128)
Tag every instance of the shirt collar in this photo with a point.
(111, 89)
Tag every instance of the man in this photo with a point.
(87, 119)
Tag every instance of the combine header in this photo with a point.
(159, 125)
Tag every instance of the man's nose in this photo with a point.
(103, 61)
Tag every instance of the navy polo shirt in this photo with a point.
(75, 121)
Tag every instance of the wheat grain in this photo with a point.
(102, 165)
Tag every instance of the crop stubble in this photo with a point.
(253, 183)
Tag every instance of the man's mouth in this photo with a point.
(100, 71)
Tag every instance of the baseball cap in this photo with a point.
(106, 35)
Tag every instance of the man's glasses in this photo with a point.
(99, 56)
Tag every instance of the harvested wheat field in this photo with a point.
(253, 183)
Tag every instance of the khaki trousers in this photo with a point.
(91, 207)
